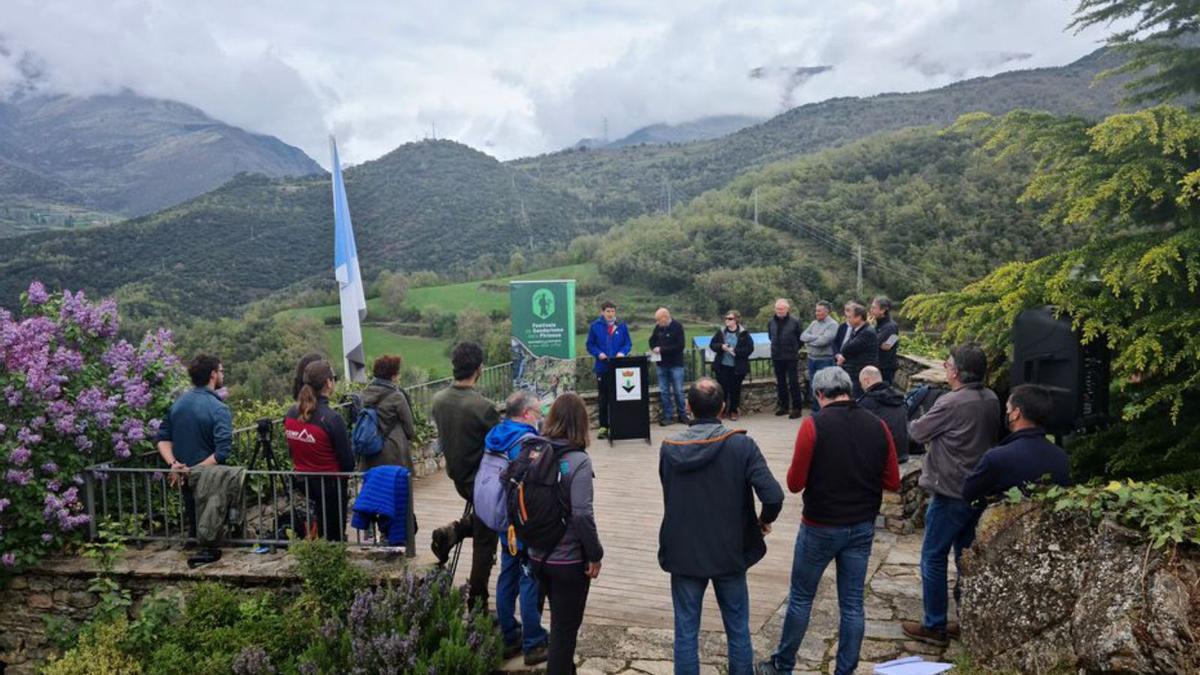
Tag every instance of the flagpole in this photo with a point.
(346, 271)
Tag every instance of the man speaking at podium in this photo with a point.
(607, 339)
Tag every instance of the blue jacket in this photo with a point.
(505, 438)
(1025, 456)
(198, 425)
(600, 342)
(384, 498)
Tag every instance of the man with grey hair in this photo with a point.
(818, 338)
(843, 461)
(784, 332)
(960, 427)
(667, 343)
(522, 416)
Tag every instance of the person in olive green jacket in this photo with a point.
(395, 416)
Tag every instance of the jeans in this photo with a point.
(815, 364)
(949, 524)
(515, 580)
(850, 546)
(567, 589)
(787, 385)
(733, 597)
(670, 388)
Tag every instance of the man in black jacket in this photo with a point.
(710, 531)
(667, 342)
(1024, 457)
(888, 405)
(887, 333)
(784, 331)
(857, 346)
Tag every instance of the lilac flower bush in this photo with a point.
(74, 395)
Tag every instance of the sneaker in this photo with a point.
(684, 420)
(953, 630)
(603, 433)
(536, 655)
(917, 631)
(733, 416)
(780, 412)
(766, 668)
(796, 413)
(441, 542)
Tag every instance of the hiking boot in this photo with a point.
(441, 542)
(536, 655)
(779, 412)
(917, 631)
(602, 433)
(795, 414)
(511, 649)
(953, 630)
(664, 422)
(766, 668)
(684, 420)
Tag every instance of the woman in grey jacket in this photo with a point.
(568, 570)
(395, 415)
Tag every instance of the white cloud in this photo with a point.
(513, 79)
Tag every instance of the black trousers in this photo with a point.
(604, 384)
(787, 384)
(189, 509)
(483, 550)
(889, 374)
(326, 501)
(731, 384)
(566, 586)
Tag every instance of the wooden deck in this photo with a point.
(632, 590)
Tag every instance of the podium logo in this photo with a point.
(543, 303)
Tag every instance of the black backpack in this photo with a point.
(538, 506)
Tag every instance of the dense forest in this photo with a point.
(431, 204)
(931, 211)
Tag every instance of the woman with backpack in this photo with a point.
(732, 347)
(318, 443)
(568, 569)
(394, 414)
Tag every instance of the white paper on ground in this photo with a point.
(911, 665)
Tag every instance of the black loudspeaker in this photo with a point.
(1048, 352)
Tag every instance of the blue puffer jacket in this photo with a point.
(600, 342)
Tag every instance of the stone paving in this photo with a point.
(893, 593)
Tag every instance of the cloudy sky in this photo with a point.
(513, 78)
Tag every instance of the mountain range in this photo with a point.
(102, 158)
(439, 205)
(702, 129)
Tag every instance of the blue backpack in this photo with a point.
(366, 439)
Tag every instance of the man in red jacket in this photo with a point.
(844, 459)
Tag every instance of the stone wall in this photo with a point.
(904, 512)
(1044, 589)
(57, 589)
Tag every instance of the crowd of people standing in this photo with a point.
(720, 498)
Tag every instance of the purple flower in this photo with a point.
(38, 294)
(8, 560)
(21, 478)
(54, 486)
(27, 437)
(49, 468)
(19, 456)
(83, 443)
(47, 537)
(4, 502)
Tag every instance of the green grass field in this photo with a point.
(486, 296)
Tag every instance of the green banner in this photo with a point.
(543, 335)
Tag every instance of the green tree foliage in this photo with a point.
(930, 210)
(392, 288)
(1162, 52)
(1130, 182)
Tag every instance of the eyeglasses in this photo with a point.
(731, 318)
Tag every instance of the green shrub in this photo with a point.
(328, 575)
(100, 652)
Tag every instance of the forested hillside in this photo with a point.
(631, 182)
(930, 210)
(429, 205)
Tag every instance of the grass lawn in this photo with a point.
(421, 352)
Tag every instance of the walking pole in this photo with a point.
(468, 512)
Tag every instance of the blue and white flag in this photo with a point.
(349, 278)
